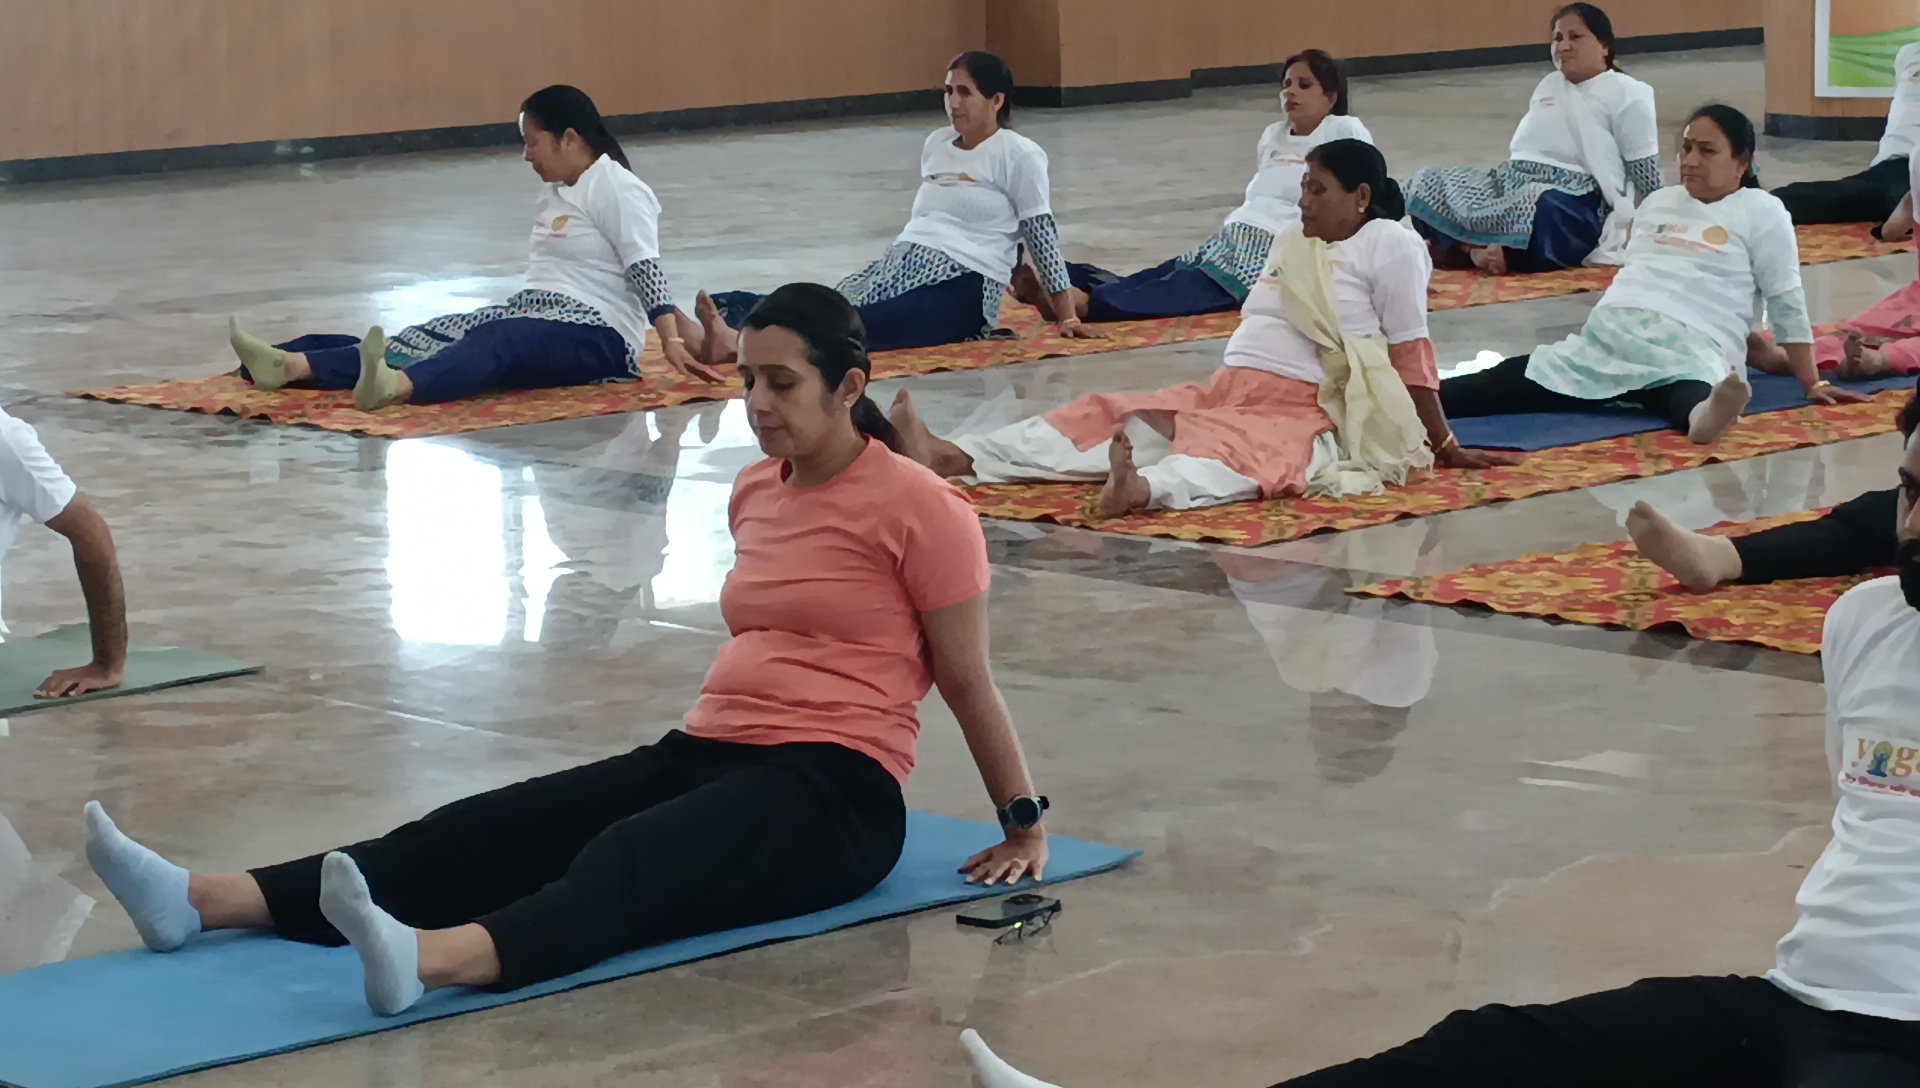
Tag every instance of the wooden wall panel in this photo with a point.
(1026, 34)
(84, 76)
(1790, 68)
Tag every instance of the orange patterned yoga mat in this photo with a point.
(1610, 585)
(1566, 468)
(660, 387)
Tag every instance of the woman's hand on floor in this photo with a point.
(680, 359)
(1023, 854)
(1462, 457)
(1078, 330)
(1830, 394)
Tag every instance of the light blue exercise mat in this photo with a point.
(133, 1017)
(26, 663)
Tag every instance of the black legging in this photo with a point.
(1506, 390)
(1854, 537)
(1659, 1033)
(1867, 197)
(675, 839)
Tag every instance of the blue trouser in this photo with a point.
(948, 312)
(1566, 230)
(510, 353)
(1165, 290)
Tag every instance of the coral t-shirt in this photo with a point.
(824, 604)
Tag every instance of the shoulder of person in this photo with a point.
(1349, 127)
(624, 184)
(1763, 209)
(17, 434)
(1908, 57)
(757, 476)
(939, 138)
(1862, 610)
(1395, 244)
(1623, 86)
(1015, 145)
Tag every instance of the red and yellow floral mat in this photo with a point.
(1566, 468)
(1610, 585)
(659, 387)
(1454, 289)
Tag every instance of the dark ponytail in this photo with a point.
(1598, 24)
(991, 75)
(1740, 136)
(560, 107)
(836, 342)
(1354, 163)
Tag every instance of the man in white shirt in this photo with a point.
(1879, 194)
(33, 488)
(1841, 1008)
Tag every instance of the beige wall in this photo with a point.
(90, 76)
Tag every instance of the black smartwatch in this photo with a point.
(1022, 813)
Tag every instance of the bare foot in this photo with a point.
(919, 443)
(1700, 562)
(1026, 288)
(1719, 411)
(1125, 491)
(1862, 359)
(1766, 356)
(722, 341)
(1489, 259)
(1899, 225)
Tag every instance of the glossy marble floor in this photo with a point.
(1356, 816)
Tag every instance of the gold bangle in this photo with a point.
(1448, 444)
(676, 339)
(1819, 385)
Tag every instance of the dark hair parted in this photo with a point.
(1741, 140)
(836, 342)
(991, 75)
(560, 107)
(1598, 24)
(1354, 163)
(1326, 72)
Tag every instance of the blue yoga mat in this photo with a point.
(133, 1017)
(1530, 431)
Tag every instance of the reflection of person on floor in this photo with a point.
(595, 270)
(1671, 335)
(1328, 384)
(33, 488)
(1853, 538)
(1362, 671)
(1217, 275)
(860, 581)
(1840, 1009)
(983, 194)
(1586, 153)
(1880, 194)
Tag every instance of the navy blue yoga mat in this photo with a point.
(134, 1017)
(1531, 431)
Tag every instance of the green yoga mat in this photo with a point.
(26, 663)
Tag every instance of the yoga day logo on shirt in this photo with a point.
(559, 223)
(1713, 239)
(1714, 236)
(951, 179)
(1880, 766)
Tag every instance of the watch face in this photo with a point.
(1023, 812)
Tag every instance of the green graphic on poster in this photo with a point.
(1855, 42)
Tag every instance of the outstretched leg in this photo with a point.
(1861, 358)
(1700, 562)
(719, 341)
(918, 442)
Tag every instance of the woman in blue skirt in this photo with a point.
(983, 194)
(1585, 155)
(594, 284)
(1218, 274)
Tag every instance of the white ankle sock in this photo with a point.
(152, 889)
(389, 951)
(990, 1070)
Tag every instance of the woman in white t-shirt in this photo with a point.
(1221, 271)
(1335, 328)
(983, 194)
(594, 284)
(1670, 335)
(1586, 153)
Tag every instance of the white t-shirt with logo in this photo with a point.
(1379, 288)
(1856, 947)
(32, 486)
(1709, 266)
(1903, 116)
(1545, 134)
(587, 234)
(971, 203)
(1273, 196)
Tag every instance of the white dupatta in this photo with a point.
(1377, 435)
(1600, 153)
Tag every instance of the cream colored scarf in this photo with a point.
(1377, 435)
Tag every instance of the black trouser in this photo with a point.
(1867, 197)
(1506, 390)
(675, 839)
(1660, 1033)
(1853, 538)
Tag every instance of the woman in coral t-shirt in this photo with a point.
(859, 583)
